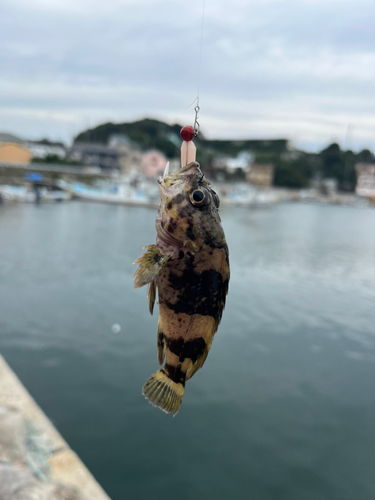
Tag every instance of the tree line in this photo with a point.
(293, 168)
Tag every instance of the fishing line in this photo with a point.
(196, 100)
(200, 52)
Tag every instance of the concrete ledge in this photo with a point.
(65, 467)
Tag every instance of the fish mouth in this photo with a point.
(182, 170)
(166, 237)
(189, 166)
(168, 180)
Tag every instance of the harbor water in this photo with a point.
(284, 407)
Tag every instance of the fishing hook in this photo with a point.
(196, 123)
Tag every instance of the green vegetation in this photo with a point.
(55, 159)
(331, 162)
(293, 174)
(149, 134)
(294, 169)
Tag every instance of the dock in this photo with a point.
(35, 460)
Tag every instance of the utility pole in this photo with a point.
(348, 136)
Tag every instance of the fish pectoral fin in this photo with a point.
(150, 264)
(151, 295)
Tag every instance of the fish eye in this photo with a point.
(197, 197)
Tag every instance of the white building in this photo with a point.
(242, 161)
(41, 149)
(365, 180)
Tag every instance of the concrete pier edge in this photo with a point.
(65, 466)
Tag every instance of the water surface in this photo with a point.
(284, 407)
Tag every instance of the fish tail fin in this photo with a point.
(163, 392)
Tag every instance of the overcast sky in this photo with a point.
(297, 69)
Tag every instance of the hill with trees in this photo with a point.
(293, 168)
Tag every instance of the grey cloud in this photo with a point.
(121, 60)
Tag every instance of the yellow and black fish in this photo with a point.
(189, 266)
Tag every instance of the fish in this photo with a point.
(189, 268)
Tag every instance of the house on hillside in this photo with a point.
(129, 154)
(230, 164)
(365, 180)
(44, 148)
(230, 167)
(260, 174)
(153, 163)
(14, 153)
(38, 149)
(94, 155)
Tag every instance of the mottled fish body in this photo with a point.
(189, 266)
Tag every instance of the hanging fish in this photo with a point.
(189, 266)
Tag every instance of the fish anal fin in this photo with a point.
(150, 264)
(151, 295)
